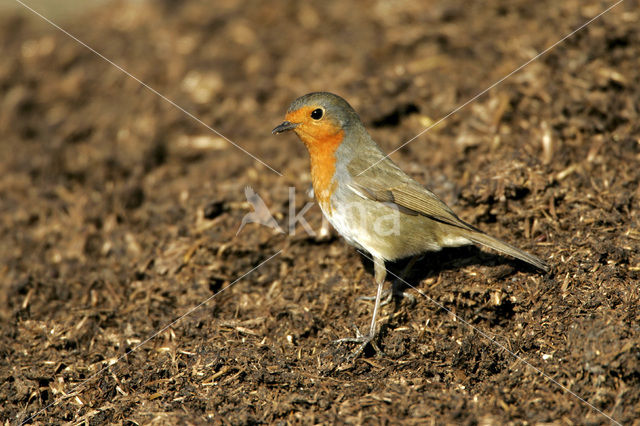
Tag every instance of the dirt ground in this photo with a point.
(119, 213)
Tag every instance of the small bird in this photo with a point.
(369, 200)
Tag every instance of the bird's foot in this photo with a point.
(404, 295)
(363, 340)
(389, 295)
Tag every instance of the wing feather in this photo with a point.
(386, 183)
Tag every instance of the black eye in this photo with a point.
(316, 114)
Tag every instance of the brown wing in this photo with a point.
(386, 183)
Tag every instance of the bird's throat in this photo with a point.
(323, 167)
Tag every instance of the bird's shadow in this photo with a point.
(431, 264)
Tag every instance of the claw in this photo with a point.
(357, 339)
(388, 296)
(363, 341)
(407, 296)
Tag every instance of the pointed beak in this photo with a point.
(284, 127)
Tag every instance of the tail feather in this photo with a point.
(502, 247)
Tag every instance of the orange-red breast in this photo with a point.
(373, 204)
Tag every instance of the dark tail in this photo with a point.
(502, 247)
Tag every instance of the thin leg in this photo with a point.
(396, 291)
(324, 233)
(380, 274)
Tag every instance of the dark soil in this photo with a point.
(119, 213)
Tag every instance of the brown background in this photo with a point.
(118, 214)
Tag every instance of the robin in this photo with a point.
(369, 200)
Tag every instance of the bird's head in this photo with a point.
(318, 119)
